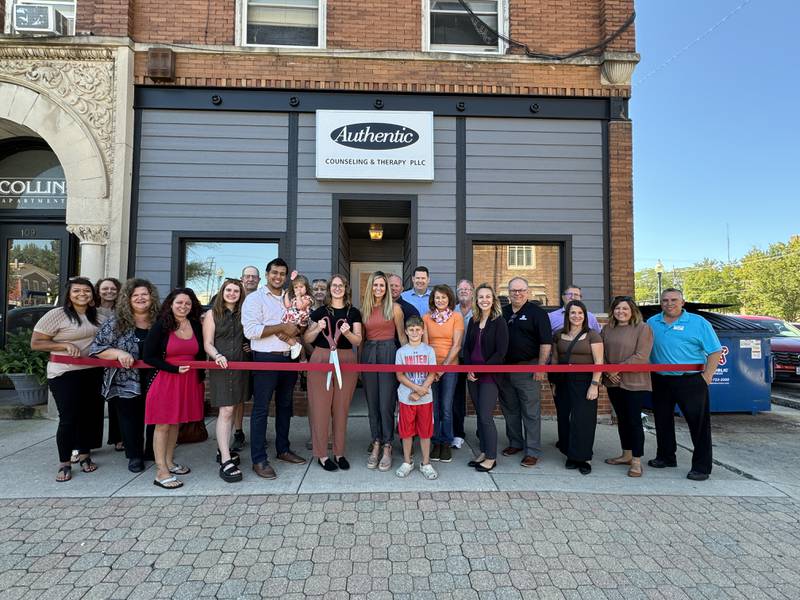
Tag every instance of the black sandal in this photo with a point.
(87, 465)
(234, 457)
(229, 472)
(66, 470)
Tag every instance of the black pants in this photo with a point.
(114, 433)
(577, 416)
(460, 405)
(137, 438)
(80, 408)
(484, 396)
(628, 406)
(690, 393)
(281, 383)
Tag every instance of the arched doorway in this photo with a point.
(38, 254)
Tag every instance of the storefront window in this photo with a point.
(498, 263)
(207, 263)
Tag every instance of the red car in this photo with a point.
(785, 346)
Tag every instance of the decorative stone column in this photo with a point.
(93, 240)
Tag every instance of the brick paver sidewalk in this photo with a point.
(412, 545)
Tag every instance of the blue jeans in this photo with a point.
(267, 382)
(443, 391)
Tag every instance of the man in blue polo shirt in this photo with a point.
(419, 296)
(682, 338)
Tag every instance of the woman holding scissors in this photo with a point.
(334, 329)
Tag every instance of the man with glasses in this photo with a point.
(250, 280)
(682, 338)
(529, 343)
(573, 292)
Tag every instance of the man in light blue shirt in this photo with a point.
(419, 296)
(573, 292)
(682, 338)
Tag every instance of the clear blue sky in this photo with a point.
(716, 130)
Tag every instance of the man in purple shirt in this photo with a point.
(573, 292)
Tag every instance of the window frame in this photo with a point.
(502, 23)
(521, 247)
(563, 242)
(181, 238)
(9, 14)
(241, 26)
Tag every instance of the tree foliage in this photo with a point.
(770, 280)
(765, 282)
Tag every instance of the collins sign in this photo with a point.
(389, 146)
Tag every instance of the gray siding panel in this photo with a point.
(207, 171)
(540, 177)
(436, 205)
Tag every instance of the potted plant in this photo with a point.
(26, 368)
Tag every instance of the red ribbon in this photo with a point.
(370, 368)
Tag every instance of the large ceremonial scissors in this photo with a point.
(332, 334)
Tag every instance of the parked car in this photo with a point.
(785, 346)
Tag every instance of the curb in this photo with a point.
(786, 401)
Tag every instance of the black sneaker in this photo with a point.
(238, 440)
(436, 450)
(445, 453)
(658, 463)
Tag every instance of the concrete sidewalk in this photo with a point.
(28, 468)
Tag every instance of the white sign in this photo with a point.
(375, 144)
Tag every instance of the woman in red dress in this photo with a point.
(175, 392)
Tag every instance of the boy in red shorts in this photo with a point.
(416, 400)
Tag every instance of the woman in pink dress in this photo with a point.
(175, 392)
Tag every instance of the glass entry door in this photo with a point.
(32, 274)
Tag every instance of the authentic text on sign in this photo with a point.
(389, 146)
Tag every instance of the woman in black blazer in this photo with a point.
(486, 344)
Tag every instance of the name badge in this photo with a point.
(678, 328)
(523, 318)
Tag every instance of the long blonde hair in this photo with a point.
(496, 310)
(369, 299)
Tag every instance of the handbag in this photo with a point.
(557, 378)
(190, 433)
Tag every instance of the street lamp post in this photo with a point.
(659, 273)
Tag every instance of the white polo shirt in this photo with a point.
(262, 308)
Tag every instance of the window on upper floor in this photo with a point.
(521, 257)
(65, 7)
(284, 23)
(452, 28)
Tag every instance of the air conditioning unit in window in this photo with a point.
(39, 18)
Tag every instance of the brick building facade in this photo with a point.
(180, 175)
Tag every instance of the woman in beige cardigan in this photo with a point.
(627, 339)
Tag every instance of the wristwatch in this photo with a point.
(594, 382)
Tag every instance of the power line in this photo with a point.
(698, 39)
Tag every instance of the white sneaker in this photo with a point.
(404, 469)
(296, 350)
(457, 443)
(428, 471)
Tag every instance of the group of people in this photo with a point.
(317, 321)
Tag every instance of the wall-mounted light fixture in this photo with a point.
(375, 232)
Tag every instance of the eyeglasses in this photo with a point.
(232, 280)
(519, 291)
(336, 285)
(573, 295)
(622, 299)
